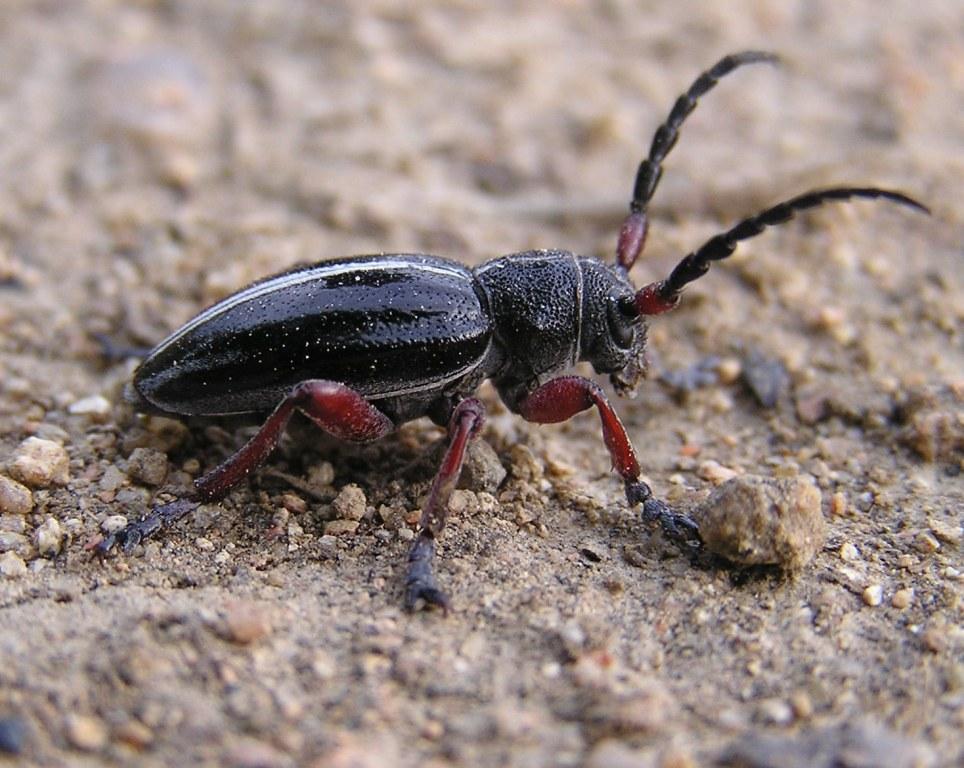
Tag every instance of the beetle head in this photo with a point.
(613, 333)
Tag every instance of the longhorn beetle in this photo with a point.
(361, 345)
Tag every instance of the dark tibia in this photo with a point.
(420, 584)
(134, 533)
(561, 399)
(677, 526)
(632, 235)
(333, 407)
(664, 295)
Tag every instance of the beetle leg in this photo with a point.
(334, 407)
(420, 584)
(562, 398)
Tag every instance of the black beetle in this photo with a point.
(363, 344)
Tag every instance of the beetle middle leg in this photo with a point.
(562, 398)
(334, 407)
(420, 584)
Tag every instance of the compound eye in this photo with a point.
(622, 317)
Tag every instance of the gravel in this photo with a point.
(760, 521)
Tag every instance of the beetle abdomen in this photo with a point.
(383, 325)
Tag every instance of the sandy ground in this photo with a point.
(157, 155)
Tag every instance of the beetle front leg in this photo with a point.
(334, 407)
(561, 399)
(420, 584)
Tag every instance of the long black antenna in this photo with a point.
(663, 295)
(632, 235)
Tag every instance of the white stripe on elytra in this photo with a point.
(297, 278)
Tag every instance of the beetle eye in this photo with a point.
(621, 319)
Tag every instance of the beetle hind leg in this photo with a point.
(420, 585)
(334, 407)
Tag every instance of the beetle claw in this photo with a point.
(424, 596)
(679, 527)
(134, 533)
(421, 590)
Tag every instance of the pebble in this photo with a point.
(49, 537)
(848, 552)
(163, 434)
(926, 543)
(134, 734)
(14, 542)
(246, 622)
(86, 733)
(482, 470)
(340, 527)
(753, 520)
(729, 369)
(13, 523)
(812, 407)
(838, 504)
(40, 463)
(902, 598)
(15, 499)
(321, 474)
(112, 479)
(715, 472)
(294, 503)
(13, 734)
(95, 406)
(776, 712)
(12, 565)
(946, 532)
(936, 434)
(113, 523)
(147, 466)
(935, 637)
(328, 546)
(349, 504)
(765, 377)
(873, 595)
(463, 503)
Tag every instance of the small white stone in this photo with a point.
(86, 733)
(40, 463)
(848, 552)
(95, 405)
(12, 565)
(49, 537)
(113, 523)
(873, 595)
(715, 472)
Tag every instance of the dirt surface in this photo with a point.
(157, 155)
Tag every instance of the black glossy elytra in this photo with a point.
(363, 344)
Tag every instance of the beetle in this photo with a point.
(361, 345)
